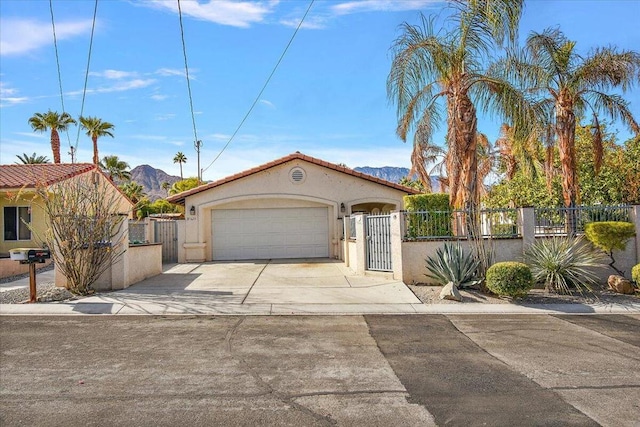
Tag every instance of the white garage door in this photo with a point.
(270, 233)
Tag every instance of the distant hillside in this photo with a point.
(393, 174)
(151, 179)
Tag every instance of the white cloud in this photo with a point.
(158, 97)
(20, 36)
(225, 12)
(310, 23)
(33, 135)
(120, 86)
(114, 74)
(358, 6)
(163, 117)
(267, 103)
(170, 72)
(8, 98)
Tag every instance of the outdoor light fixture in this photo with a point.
(343, 209)
(192, 211)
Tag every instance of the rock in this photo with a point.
(450, 292)
(620, 285)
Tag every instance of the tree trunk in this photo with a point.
(95, 149)
(55, 145)
(462, 159)
(566, 132)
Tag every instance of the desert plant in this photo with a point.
(452, 264)
(84, 229)
(635, 275)
(564, 263)
(509, 278)
(610, 235)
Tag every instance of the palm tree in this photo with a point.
(26, 159)
(518, 153)
(135, 193)
(96, 128)
(116, 168)
(435, 70)
(166, 186)
(180, 158)
(422, 155)
(52, 120)
(571, 86)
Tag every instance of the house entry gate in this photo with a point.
(378, 229)
(166, 232)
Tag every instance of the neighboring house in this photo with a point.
(291, 207)
(20, 205)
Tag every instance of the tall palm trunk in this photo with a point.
(566, 131)
(95, 149)
(181, 171)
(55, 145)
(462, 160)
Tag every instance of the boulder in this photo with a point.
(450, 292)
(620, 285)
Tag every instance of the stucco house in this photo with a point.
(19, 203)
(291, 207)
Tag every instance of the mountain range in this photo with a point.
(151, 178)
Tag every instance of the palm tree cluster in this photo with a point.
(541, 90)
(55, 122)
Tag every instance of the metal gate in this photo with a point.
(166, 232)
(378, 229)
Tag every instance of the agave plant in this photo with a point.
(564, 263)
(451, 264)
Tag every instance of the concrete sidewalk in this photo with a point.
(312, 287)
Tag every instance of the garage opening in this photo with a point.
(241, 234)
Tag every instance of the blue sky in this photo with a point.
(327, 99)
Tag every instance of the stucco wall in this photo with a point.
(10, 268)
(273, 188)
(144, 261)
(37, 222)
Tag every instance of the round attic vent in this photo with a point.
(297, 175)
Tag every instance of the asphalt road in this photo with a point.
(409, 370)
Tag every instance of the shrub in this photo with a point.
(610, 235)
(429, 215)
(509, 278)
(563, 263)
(635, 275)
(451, 264)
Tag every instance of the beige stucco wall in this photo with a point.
(144, 261)
(37, 221)
(272, 188)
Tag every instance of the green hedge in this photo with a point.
(436, 222)
(509, 278)
(609, 235)
(427, 202)
(635, 274)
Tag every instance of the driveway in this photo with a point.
(262, 287)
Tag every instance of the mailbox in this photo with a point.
(29, 255)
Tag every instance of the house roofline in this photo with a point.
(180, 197)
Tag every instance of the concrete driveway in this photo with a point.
(263, 287)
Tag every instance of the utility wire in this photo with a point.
(55, 45)
(86, 75)
(255, 101)
(197, 142)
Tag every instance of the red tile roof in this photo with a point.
(30, 176)
(180, 197)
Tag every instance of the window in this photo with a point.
(15, 218)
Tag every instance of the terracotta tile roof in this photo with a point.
(29, 176)
(180, 197)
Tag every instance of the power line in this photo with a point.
(255, 101)
(86, 75)
(55, 45)
(197, 142)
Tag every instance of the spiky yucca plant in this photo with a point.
(564, 263)
(452, 264)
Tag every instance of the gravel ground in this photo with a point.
(45, 291)
(431, 295)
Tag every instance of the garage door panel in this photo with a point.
(270, 233)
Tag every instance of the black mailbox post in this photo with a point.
(31, 257)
